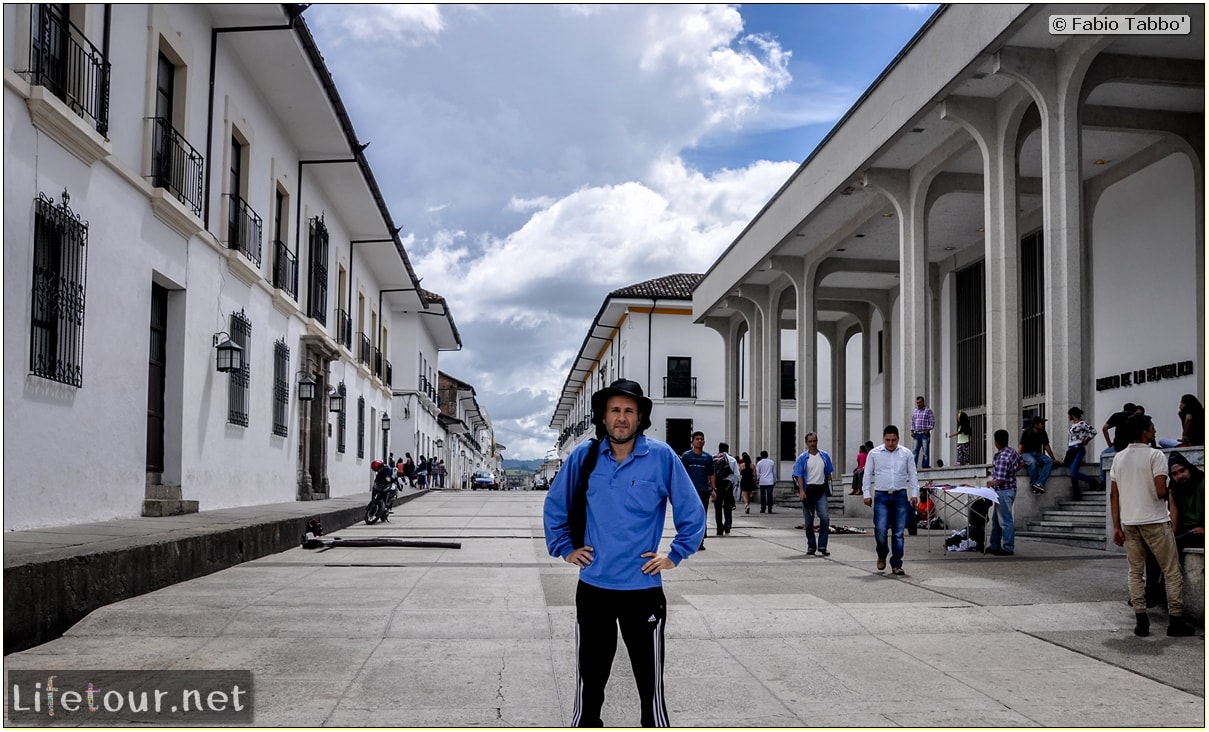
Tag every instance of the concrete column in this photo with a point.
(1054, 79)
(839, 393)
(801, 272)
(755, 385)
(905, 190)
(995, 126)
(866, 322)
(728, 328)
(772, 370)
(887, 380)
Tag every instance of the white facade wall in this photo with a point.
(1144, 280)
(415, 427)
(104, 423)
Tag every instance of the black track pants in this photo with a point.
(641, 614)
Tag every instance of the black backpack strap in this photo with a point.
(578, 519)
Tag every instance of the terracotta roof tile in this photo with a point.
(673, 287)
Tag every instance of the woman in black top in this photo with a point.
(747, 480)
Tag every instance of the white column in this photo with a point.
(839, 393)
(995, 129)
(772, 370)
(1054, 79)
(728, 328)
(801, 272)
(905, 192)
(755, 386)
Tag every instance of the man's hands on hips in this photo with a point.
(658, 563)
(868, 501)
(581, 557)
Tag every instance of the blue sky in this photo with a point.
(540, 156)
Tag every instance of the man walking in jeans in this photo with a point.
(1003, 480)
(890, 487)
(812, 476)
(923, 421)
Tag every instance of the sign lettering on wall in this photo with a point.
(1145, 376)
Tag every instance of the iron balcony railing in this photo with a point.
(680, 387)
(285, 269)
(63, 60)
(429, 390)
(389, 375)
(378, 362)
(365, 349)
(176, 166)
(344, 329)
(244, 228)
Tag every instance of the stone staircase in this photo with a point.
(1079, 523)
(165, 500)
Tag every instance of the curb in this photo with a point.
(43, 598)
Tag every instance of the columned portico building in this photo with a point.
(1012, 219)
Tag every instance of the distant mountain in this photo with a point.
(530, 465)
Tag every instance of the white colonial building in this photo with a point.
(645, 332)
(470, 445)
(178, 179)
(1013, 219)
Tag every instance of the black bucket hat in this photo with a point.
(621, 387)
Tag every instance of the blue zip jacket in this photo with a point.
(799, 467)
(627, 505)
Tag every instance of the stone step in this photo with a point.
(1085, 541)
(163, 492)
(1061, 515)
(1066, 527)
(155, 507)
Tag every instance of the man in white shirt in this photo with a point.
(813, 480)
(766, 478)
(1141, 520)
(890, 485)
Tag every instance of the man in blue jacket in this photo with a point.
(620, 517)
(812, 476)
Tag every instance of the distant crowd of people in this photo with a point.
(424, 473)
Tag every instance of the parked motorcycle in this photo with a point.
(381, 496)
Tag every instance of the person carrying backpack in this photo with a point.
(605, 514)
(726, 480)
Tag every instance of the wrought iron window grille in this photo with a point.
(56, 349)
(238, 381)
(281, 388)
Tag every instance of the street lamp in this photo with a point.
(335, 400)
(228, 354)
(306, 388)
(385, 434)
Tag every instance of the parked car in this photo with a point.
(484, 479)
